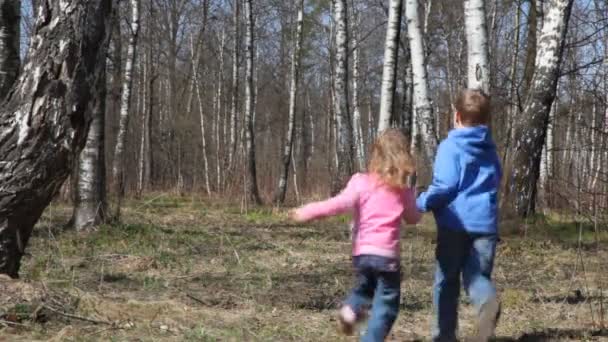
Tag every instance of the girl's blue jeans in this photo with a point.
(379, 282)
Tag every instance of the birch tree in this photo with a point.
(10, 28)
(46, 115)
(531, 128)
(90, 191)
(219, 111)
(125, 105)
(295, 76)
(391, 52)
(477, 45)
(343, 120)
(424, 119)
(251, 177)
(357, 127)
(235, 83)
(196, 57)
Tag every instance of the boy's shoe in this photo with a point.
(347, 318)
(488, 317)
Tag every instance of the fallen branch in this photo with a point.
(200, 301)
(80, 318)
(13, 324)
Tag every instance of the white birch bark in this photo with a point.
(593, 147)
(358, 130)
(343, 120)
(142, 141)
(295, 77)
(10, 38)
(477, 45)
(195, 70)
(531, 129)
(46, 115)
(423, 119)
(90, 192)
(125, 103)
(391, 52)
(219, 114)
(546, 170)
(603, 155)
(251, 177)
(235, 84)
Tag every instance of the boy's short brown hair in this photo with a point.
(473, 106)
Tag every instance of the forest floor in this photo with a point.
(188, 270)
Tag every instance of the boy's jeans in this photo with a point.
(471, 255)
(379, 281)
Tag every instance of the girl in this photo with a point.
(379, 199)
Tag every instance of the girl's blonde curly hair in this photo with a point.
(390, 159)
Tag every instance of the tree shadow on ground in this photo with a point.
(555, 334)
(575, 297)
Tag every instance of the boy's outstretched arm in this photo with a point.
(410, 214)
(446, 177)
(341, 203)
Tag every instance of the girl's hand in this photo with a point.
(294, 216)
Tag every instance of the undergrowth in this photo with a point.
(182, 269)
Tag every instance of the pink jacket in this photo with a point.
(377, 213)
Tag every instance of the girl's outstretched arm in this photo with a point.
(340, 204)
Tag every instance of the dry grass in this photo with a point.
(184, 270)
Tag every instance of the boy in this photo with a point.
(463, 199)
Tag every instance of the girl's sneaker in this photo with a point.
(347, 318)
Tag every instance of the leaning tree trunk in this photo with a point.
(90, 194)
(391, 52)
(295, 76)
(531, 128)
(45, 118)
(477, 45)
(125, 105)
(424, 118)
(344, 124)
(251, 182)
(10, 37)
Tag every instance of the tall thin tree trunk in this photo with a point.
(219, 115)
(197, 60)
(531, 45)
(531, 129)
(252, 182)
(513, 93)
(10, 43)
(389, 72)
(477, 43)
(125, 105)
(424, 120)
(358, 130)
(343, 120)
(144, 125)
(46, 115)
(235, 84)
(295, 76)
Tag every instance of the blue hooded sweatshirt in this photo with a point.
(466, 179)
